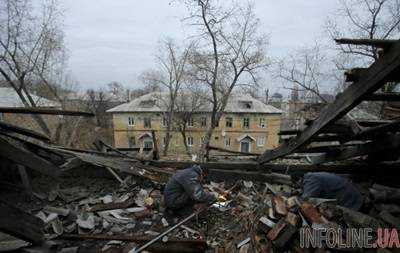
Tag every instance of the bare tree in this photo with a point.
(28, 44)
(189, 102)
(304, 72)
(171, 74)
(230, 51)
(367, 19)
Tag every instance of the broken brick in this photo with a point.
(280, 205)
(311, 213)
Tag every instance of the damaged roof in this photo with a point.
(10, 98)
(157, 102)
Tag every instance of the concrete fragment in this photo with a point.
(279, 204)
(57, 226)
(58, 210)
(292, 219)
(164, 222)
(292, 201)
(248, 184)
(86, 221)
(245, 241)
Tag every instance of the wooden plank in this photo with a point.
(25, 178)
(28, 159)
(376, 77)
(24, 131)
(382, 129)
(22, 225)
(383, 97)
(367, 42)
(38, 110)
(388, 143)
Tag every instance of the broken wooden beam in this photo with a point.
(376, 76)
(112, 206)
(388, 143)
(367, 42)
(184, 246)
(38, 110)
(20, 224)
(19, 155)
(234, 175)
(23, 131)
(388, 96)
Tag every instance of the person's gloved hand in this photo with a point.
(221, 198)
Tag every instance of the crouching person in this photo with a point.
(184, 190)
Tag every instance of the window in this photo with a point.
(147, 103)
(216, 138)
(246, 104)
(190, 122)
(203, 140)
(132, 141)
(148, 144)
(246, 123)
(131, 121)
(164, 122)
(260, 141)
(190, 141)
(203, 121)
(227, 142)
(263, 123)
(147, 122)
(229, 122)
(1, 116)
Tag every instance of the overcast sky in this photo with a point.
(115, 40)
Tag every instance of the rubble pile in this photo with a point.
(257, 217)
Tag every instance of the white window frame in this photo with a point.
(190, 141)
(248, 122)
(261, 141)
(131, 121)
(231, 122)
(190, 122)
(147, 142)
(263, 123)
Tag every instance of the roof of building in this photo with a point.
(155, 102)
(10, 98)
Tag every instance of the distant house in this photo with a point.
(247, 125)
(10, 99)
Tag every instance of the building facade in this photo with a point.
(248, 125)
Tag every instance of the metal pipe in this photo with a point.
(160, 236)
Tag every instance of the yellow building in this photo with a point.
(247, 125)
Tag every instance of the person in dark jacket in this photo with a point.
(331, 186)
(184, 190)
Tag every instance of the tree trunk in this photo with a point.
(168, 133)
(183, 133)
